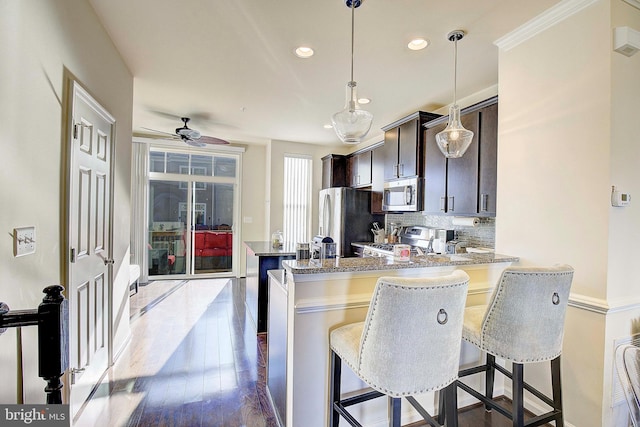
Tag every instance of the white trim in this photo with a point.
(602, 306)
(542, 22)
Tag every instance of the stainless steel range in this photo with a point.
(422, 239)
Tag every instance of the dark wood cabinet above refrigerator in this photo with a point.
(466, 185)
(334, 171)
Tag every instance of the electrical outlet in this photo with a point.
(24, 241)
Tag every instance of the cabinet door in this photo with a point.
(390, 154)
(488, 160)
(462, 173)
(364, 168)
(334, 172)
(377, 178)
(435, 173)
(408, 149)
(352, 171)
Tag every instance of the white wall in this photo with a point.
(41, 44)
(566, 134)
(254, 198)
(277, 150)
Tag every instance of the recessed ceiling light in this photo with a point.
(328, 126)
(304, 52)
(418, 44)
(364, 100)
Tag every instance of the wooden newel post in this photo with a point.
(53, 341)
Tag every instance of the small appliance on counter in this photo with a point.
(320, 248)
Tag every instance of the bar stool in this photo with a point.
(523, 323)
(408, 344)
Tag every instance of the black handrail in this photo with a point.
(52, 318)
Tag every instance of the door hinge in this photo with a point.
(75, 131)
(72, 255)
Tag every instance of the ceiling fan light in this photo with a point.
(352, 123)
(454, 140)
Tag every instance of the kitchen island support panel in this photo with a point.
(262, 257)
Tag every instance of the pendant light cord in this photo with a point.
(455, 69)
(352, 33)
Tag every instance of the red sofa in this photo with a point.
(213, 249)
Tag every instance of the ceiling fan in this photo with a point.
(191, 136)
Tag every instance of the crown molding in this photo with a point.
(542, 22)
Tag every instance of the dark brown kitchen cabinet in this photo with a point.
(334, 171)
(403, 146)
(359, 169)
(377, 178)
(488, 160)
(466, 185)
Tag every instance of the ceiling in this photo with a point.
(230, 66)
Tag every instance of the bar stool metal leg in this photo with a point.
(489, 379)
(334, 388)
(394, 411)
(557, 390)
(518, 394)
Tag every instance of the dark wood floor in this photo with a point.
(214, 375)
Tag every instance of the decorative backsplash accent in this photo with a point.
(483, 235)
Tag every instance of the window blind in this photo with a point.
(297, 198)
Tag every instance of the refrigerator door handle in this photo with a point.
(326, 215)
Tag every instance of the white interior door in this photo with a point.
(89, 237)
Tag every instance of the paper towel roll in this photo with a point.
(466, 222)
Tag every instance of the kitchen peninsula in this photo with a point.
(261, 257)
(318, 297)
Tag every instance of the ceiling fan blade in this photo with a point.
(212, 140)
(173, 135)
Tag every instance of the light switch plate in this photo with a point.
(24, 241)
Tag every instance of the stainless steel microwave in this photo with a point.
(403, 195)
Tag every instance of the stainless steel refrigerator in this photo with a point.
(345, 216)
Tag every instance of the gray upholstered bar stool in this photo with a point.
(409, 344)
(523, 323)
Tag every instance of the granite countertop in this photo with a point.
(344, 265)
(264, 248)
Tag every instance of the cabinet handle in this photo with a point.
(450, 204)
(400, 170)
(443, 203)
(485, 202)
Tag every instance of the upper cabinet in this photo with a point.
(359, 169)
(334, 171)
(466, 185)
(404, 145)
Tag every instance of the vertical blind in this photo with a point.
(297, 198)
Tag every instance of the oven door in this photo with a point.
(403, 195)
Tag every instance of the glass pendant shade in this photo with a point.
(454, 140)
(352, 124)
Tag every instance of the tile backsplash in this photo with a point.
(483, 235)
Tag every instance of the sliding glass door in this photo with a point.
(193, 203)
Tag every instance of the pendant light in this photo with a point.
(352, 123)
(454, 140)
